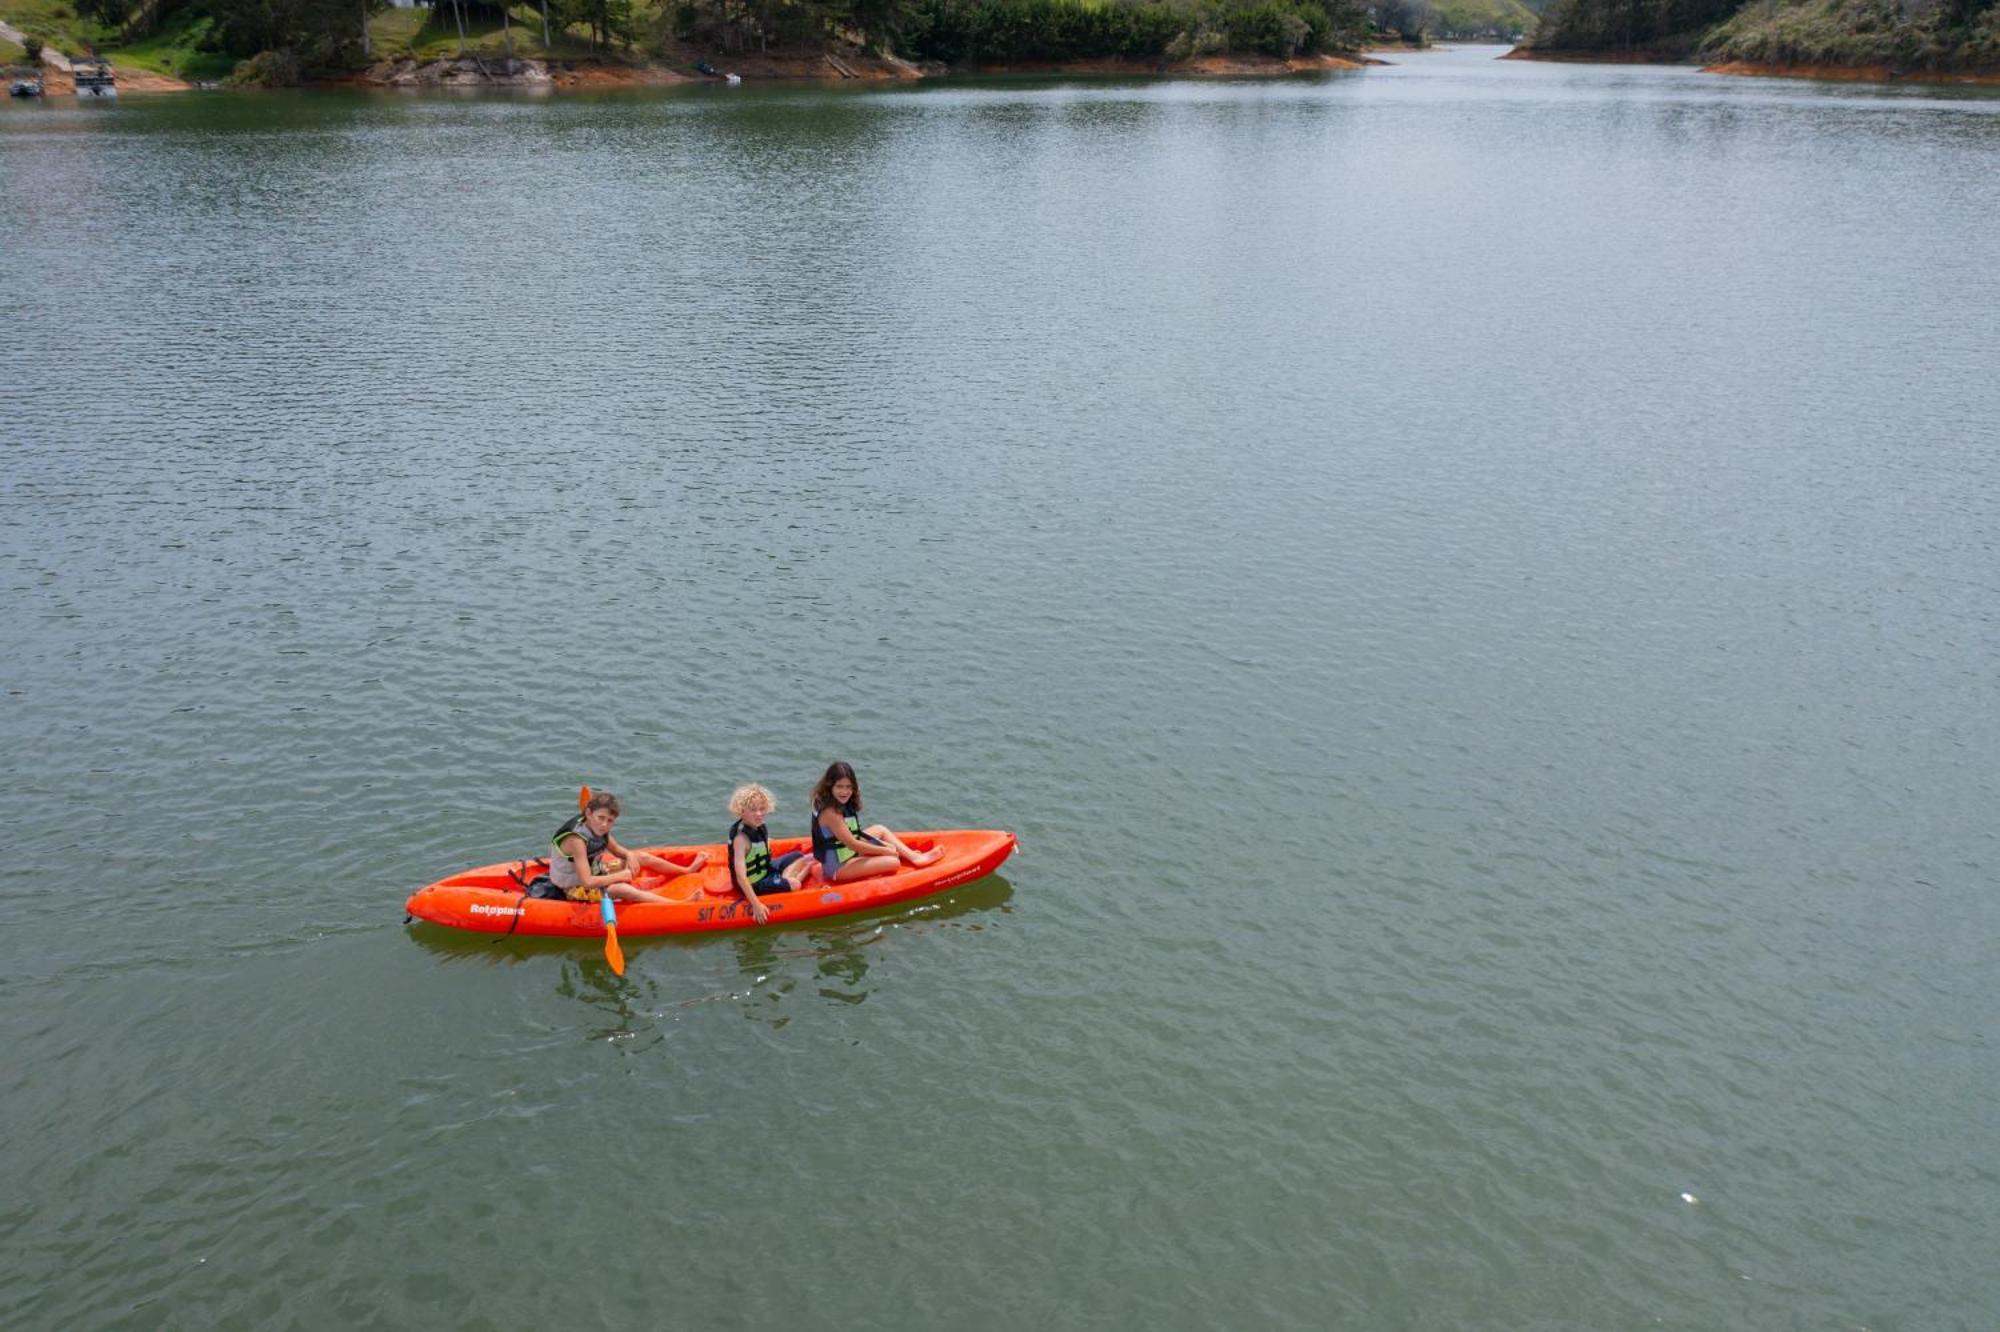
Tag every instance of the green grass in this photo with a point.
(176, 51)
(414, 34)
(11, 54)
(171, 51)
(56, 23)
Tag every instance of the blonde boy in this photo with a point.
(751, 868)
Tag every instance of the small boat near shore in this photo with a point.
(30, 87)
(494, 899)
(93, 78)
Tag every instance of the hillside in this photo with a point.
(1466, 19)
(1943, 36)
(1660, 29)
(1890, 38)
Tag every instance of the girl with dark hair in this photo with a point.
(845, 850)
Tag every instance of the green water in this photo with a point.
(1474, 583)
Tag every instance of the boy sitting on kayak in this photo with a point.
(578, 854)
(751, 868)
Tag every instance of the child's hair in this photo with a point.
(823, 793)
(749, 795)
(603, 800)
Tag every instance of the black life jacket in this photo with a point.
(824, 841)
(756, 860)
(594, 846)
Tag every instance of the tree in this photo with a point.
(310, 36)
(111, 13)
(609, 21)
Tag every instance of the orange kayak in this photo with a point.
(494, 899)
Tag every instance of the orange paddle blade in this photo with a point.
(583, 797)
(612, 952)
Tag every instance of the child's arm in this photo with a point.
(845, 836)
(739, 847)
(573, 848)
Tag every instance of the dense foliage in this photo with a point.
(1017, 31)
(1654, 27)
(1003, 31)
(1480, 18)
(746, 25)
(306, 36)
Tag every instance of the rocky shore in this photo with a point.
(474, 72)
(1851, 73)
(1765, 69)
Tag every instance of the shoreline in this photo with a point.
(469, 72)
(1597, 57)
(1764, 69)
(827, 67)
(611, 72)
(1849, 73)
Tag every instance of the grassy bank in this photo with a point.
(55, 22)
(183, 48)
(422, 34)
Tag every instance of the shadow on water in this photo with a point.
(770, 967)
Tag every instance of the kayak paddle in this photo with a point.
(612, 952)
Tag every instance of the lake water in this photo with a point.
(1474, 582)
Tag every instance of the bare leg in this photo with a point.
(901, 848)
(866, 867)
(666, 868)
(625, 892)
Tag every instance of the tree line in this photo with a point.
(317, 37)
(1012, 31)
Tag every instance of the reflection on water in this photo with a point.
(598, 986)
(772, 963)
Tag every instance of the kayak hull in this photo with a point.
(492, 899)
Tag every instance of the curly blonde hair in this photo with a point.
(749, 795)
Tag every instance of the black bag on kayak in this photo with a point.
(533, 877)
